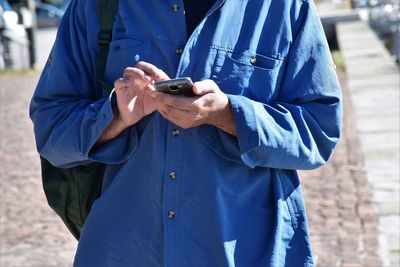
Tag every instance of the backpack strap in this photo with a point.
(107, 9)
(71, 192)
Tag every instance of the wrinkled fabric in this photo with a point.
(198, 196)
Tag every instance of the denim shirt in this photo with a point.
(197, 196)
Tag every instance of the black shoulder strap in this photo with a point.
(106, 10)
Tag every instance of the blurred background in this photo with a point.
(352, 202)
(23, 24)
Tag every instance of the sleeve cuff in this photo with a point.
(118, 149)
(245, 118)
(241, 150)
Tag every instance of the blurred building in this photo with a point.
(384, 17)
(19, 20)
(13, 37)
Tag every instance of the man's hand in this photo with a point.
(209, 106)
(133, 103)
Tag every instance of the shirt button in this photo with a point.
(172, 175)
(171, 214)
(175, 132)
(253, 60)
(175, 7)
(179, 51)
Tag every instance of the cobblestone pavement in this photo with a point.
(30, 234)
(343, 225)
(338, 197)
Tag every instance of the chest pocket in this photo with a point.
(248, 73)
(125, 53)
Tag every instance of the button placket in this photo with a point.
(179, 51)
(172, 192)
(175, 132)
(171, 214)
(172, 175)
(175, 7)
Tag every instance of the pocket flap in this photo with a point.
(250, 58)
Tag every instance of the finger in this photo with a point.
(170, 118)
(136, 74)
(153, 71)
(173, 110)
(161, 75)
(204, 87)
(182, 118)
(169, 114)
(178, 102)
(160, 104)
(122, 84)
(178, 117)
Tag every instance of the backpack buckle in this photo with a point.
(104, 38)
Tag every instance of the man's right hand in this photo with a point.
(132, 101)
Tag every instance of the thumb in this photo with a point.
(204, 87)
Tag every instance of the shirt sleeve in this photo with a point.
(68, 109)
(300, 129)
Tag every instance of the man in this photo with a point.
(208, 180)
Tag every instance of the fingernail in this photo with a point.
(127, 82)
(147, 77)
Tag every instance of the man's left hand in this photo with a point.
(209, 106)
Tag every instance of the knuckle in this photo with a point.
(118, 84)
(153, 70)
(128, 70)
(174, 102)
(168, 109)
(161, 74)
(199, 116)
(140, 63)
(197, 108)
(210, 82)
(147, 67)
(133, 72)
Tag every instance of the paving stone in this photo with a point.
(344, 207)
(30, 233)
(374, 94)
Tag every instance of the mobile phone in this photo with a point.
(180, 86)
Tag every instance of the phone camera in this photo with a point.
(173, 88)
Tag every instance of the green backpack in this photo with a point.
(71, 192)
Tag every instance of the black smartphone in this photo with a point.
(180, 86)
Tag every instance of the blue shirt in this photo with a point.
(198, 196)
